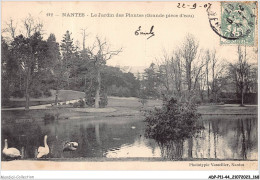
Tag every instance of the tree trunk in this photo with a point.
(68, 82)
(190, 146)
(56, 96)
(20, 80)
(188, 77)
(242, 91)
(97, 97)
(213, 80)
(242, 96)
(84, 39)
(27, 90)
(207, 78)
(243, 82)
(209, 141)
(85, 81)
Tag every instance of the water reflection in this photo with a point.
(142, 147)
(221, 139)
(226, 139)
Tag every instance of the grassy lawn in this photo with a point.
(132, 103)
(123, 107)
(227, 109)
(117, 107)
(64, 95)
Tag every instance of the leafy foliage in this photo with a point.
(151, 82)
(9, 67)
(170, 125)
(174, 121)
(142, 97)
(119, 83)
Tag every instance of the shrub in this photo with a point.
(170, 125)
(90, 101)
(142, 98)
(81, 103)
(18, 94)
(119, 91)
(90, 97)
(47, 93)
(76, 105)
(5, 101)
(36, 93)
(103, 101)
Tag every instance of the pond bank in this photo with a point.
(117, 103)
(120, 108)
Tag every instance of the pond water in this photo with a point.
(222, 138)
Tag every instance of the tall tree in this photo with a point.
(31, 26)
(9, 71)
(208, 58)
(30, 53)
(68, 53)
(189, 52)
(183, 70)
(53, 55)
(164, 73)
(10, 29)
(151, 81)
(176, 65)
(100, 53)
(240, 72)
(84, 35)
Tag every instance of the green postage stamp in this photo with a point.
(238, 23)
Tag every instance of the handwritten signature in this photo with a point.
(140, 32)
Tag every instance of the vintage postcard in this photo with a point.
(129, 85)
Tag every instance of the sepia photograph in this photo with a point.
(129, 86)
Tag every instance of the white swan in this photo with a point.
(11, 152)
(43, 151)
(70, 146)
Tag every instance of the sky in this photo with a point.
(169, 33)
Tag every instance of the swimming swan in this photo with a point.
(70, 146)
(43, 151)
(11, 152)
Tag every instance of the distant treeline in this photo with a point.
(32, 66)
(233, 98)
